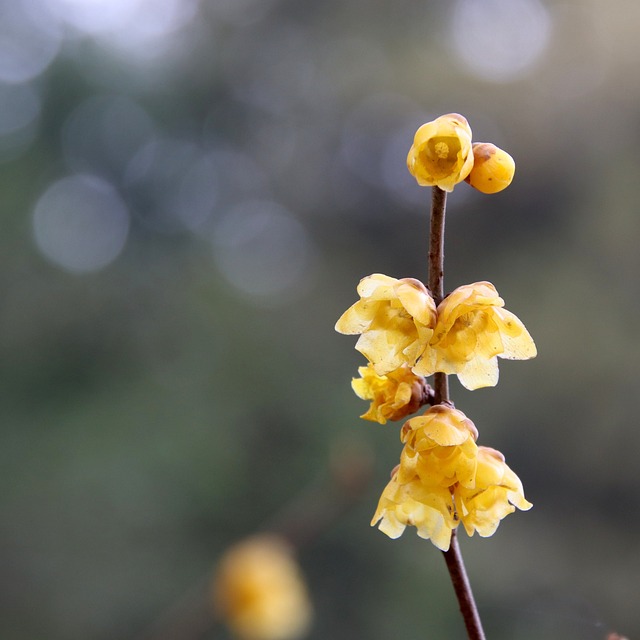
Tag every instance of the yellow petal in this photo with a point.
(479, 373)
(442, 425)
(357, 318)
(518, 343)
(429, 509)
(416, 300)
(377, 286)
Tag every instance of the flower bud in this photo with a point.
(493, 168)
(393, 396)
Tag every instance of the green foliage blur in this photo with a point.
(191, 190)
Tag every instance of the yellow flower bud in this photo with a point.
(493, 168)
(441, 154)
(393, 396)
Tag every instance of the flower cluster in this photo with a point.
(258, 591)
(444, 478)
(400, 326)
(442, 155)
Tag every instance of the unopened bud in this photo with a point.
(493, 168)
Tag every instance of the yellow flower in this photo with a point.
(493, 168)
(439, 454)
(259, 592)
(444, 478)
(497, 492)
(472, 331)
(396, 320)
(393, 396)
(441, 153)
(428, 508)
(440, 448)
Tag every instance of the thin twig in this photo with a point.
(453, 557)
(436, 244)
(461, 586)
(436, 274)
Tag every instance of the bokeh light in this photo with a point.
(103, 134)
(29, 40)
(264, 252)
(80, 223)
(500, 40)
(133, 26)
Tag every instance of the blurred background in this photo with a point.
(190, 191)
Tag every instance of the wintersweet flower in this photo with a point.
(472, 331)
(497, 492)
(439, 454)
(395, 319)
(428, 508)
(441, 154)
(493, 168)
(259, 592)
(440, 448)
(393, 396)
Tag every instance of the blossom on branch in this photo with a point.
(395, 319)
(496, 494)
(439, 453)
(444, 478)
(471, 332)
(441, 154)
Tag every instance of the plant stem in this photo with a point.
(461, 586)
(452, 557)
(436, 244)
(436, 274)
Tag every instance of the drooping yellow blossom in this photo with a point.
(493, 168)
(441, 153)
(444, 478)
(393, 396)
(395, 319)
(497, 492)
(429, 508)
(259, 593)
(439, 454)
(440, 448)
(472, 331)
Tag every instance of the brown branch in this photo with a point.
(436, 244)
(452, 557)
(462, 588)
(436, 274)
